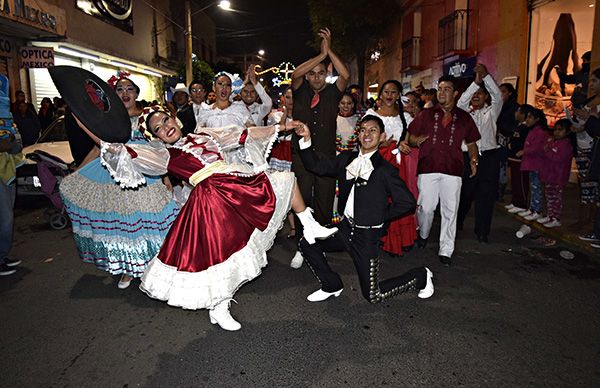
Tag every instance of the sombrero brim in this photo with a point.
(111, 124)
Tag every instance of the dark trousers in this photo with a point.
(482, 188)
(362, 245)
(519, 183)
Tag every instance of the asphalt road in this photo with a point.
(508, 313)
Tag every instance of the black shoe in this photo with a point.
(11, 263)
(5, 270)
(445, 260)
(421, 242)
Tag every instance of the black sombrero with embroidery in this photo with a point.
(93, 102)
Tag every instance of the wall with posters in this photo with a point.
(561, 32)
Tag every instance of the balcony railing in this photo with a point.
(453, 32)
(410, 53)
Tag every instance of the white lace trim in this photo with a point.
(125, 162)
(205, 289)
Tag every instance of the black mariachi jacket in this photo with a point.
(384, 197)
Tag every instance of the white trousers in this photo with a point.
(445, 189)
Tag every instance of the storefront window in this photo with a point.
(561, 32)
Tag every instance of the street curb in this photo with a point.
(554, 233)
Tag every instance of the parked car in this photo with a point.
(52, 146)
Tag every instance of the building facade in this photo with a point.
(143, 38)
(511, 37)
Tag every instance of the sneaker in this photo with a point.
(589, 238)
(533, 216)
(11, 262)
(554, 223)
(5, 270)
(543, 220)
(509, 206)
(525, 213)
(516, 210)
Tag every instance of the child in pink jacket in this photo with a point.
(532, 161)
(554, 174)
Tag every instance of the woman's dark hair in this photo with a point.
(416, 95)
(399, 103)
(390, 81)
(352, 98)
(541, 116)
(525, 109)
(511, 90)
(378, 120)
(137, 88)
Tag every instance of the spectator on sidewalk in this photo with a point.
(519, 180)
(555, 171)
(19, 98)
(28, 124)
(589, 187)
(592, 126)
(46, 113)
(507, 125)
(10, 159)
(533, 159)
(482, 187)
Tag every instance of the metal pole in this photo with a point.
(188, 43)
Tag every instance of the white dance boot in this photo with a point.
(312, 229)
(297, 260)
(220, 315)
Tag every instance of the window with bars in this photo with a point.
(410, 52)
(453, 32)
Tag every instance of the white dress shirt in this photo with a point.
(364, 158)
(485, 118)
(258, 111)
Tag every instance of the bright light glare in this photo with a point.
(225, 5)
(261, 52)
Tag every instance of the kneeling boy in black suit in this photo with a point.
(371, 194)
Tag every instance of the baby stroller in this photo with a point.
(51, 170)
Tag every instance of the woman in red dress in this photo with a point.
(401, 233)
(235, 208)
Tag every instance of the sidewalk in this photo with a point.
(569, 231)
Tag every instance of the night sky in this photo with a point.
(281, 28)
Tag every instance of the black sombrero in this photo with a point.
(94, 103)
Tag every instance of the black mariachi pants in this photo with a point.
(482, 188)
(362, 245)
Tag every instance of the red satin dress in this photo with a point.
(218, 218)
(403, 231)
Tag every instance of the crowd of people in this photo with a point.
(189, 196)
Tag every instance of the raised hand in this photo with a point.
(325, 34)
(251, 74)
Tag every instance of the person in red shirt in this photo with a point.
(439, 133)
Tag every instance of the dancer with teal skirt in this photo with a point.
(119, 230)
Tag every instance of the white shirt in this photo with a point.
(258, 111)
(214, 117)
(393, 124)
(349, 210)
(485, 118)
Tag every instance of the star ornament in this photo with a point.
(276, 82)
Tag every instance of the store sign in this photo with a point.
(35, 13)
(461, 68)
(119, 13)
(6, 47)
(36, 57)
